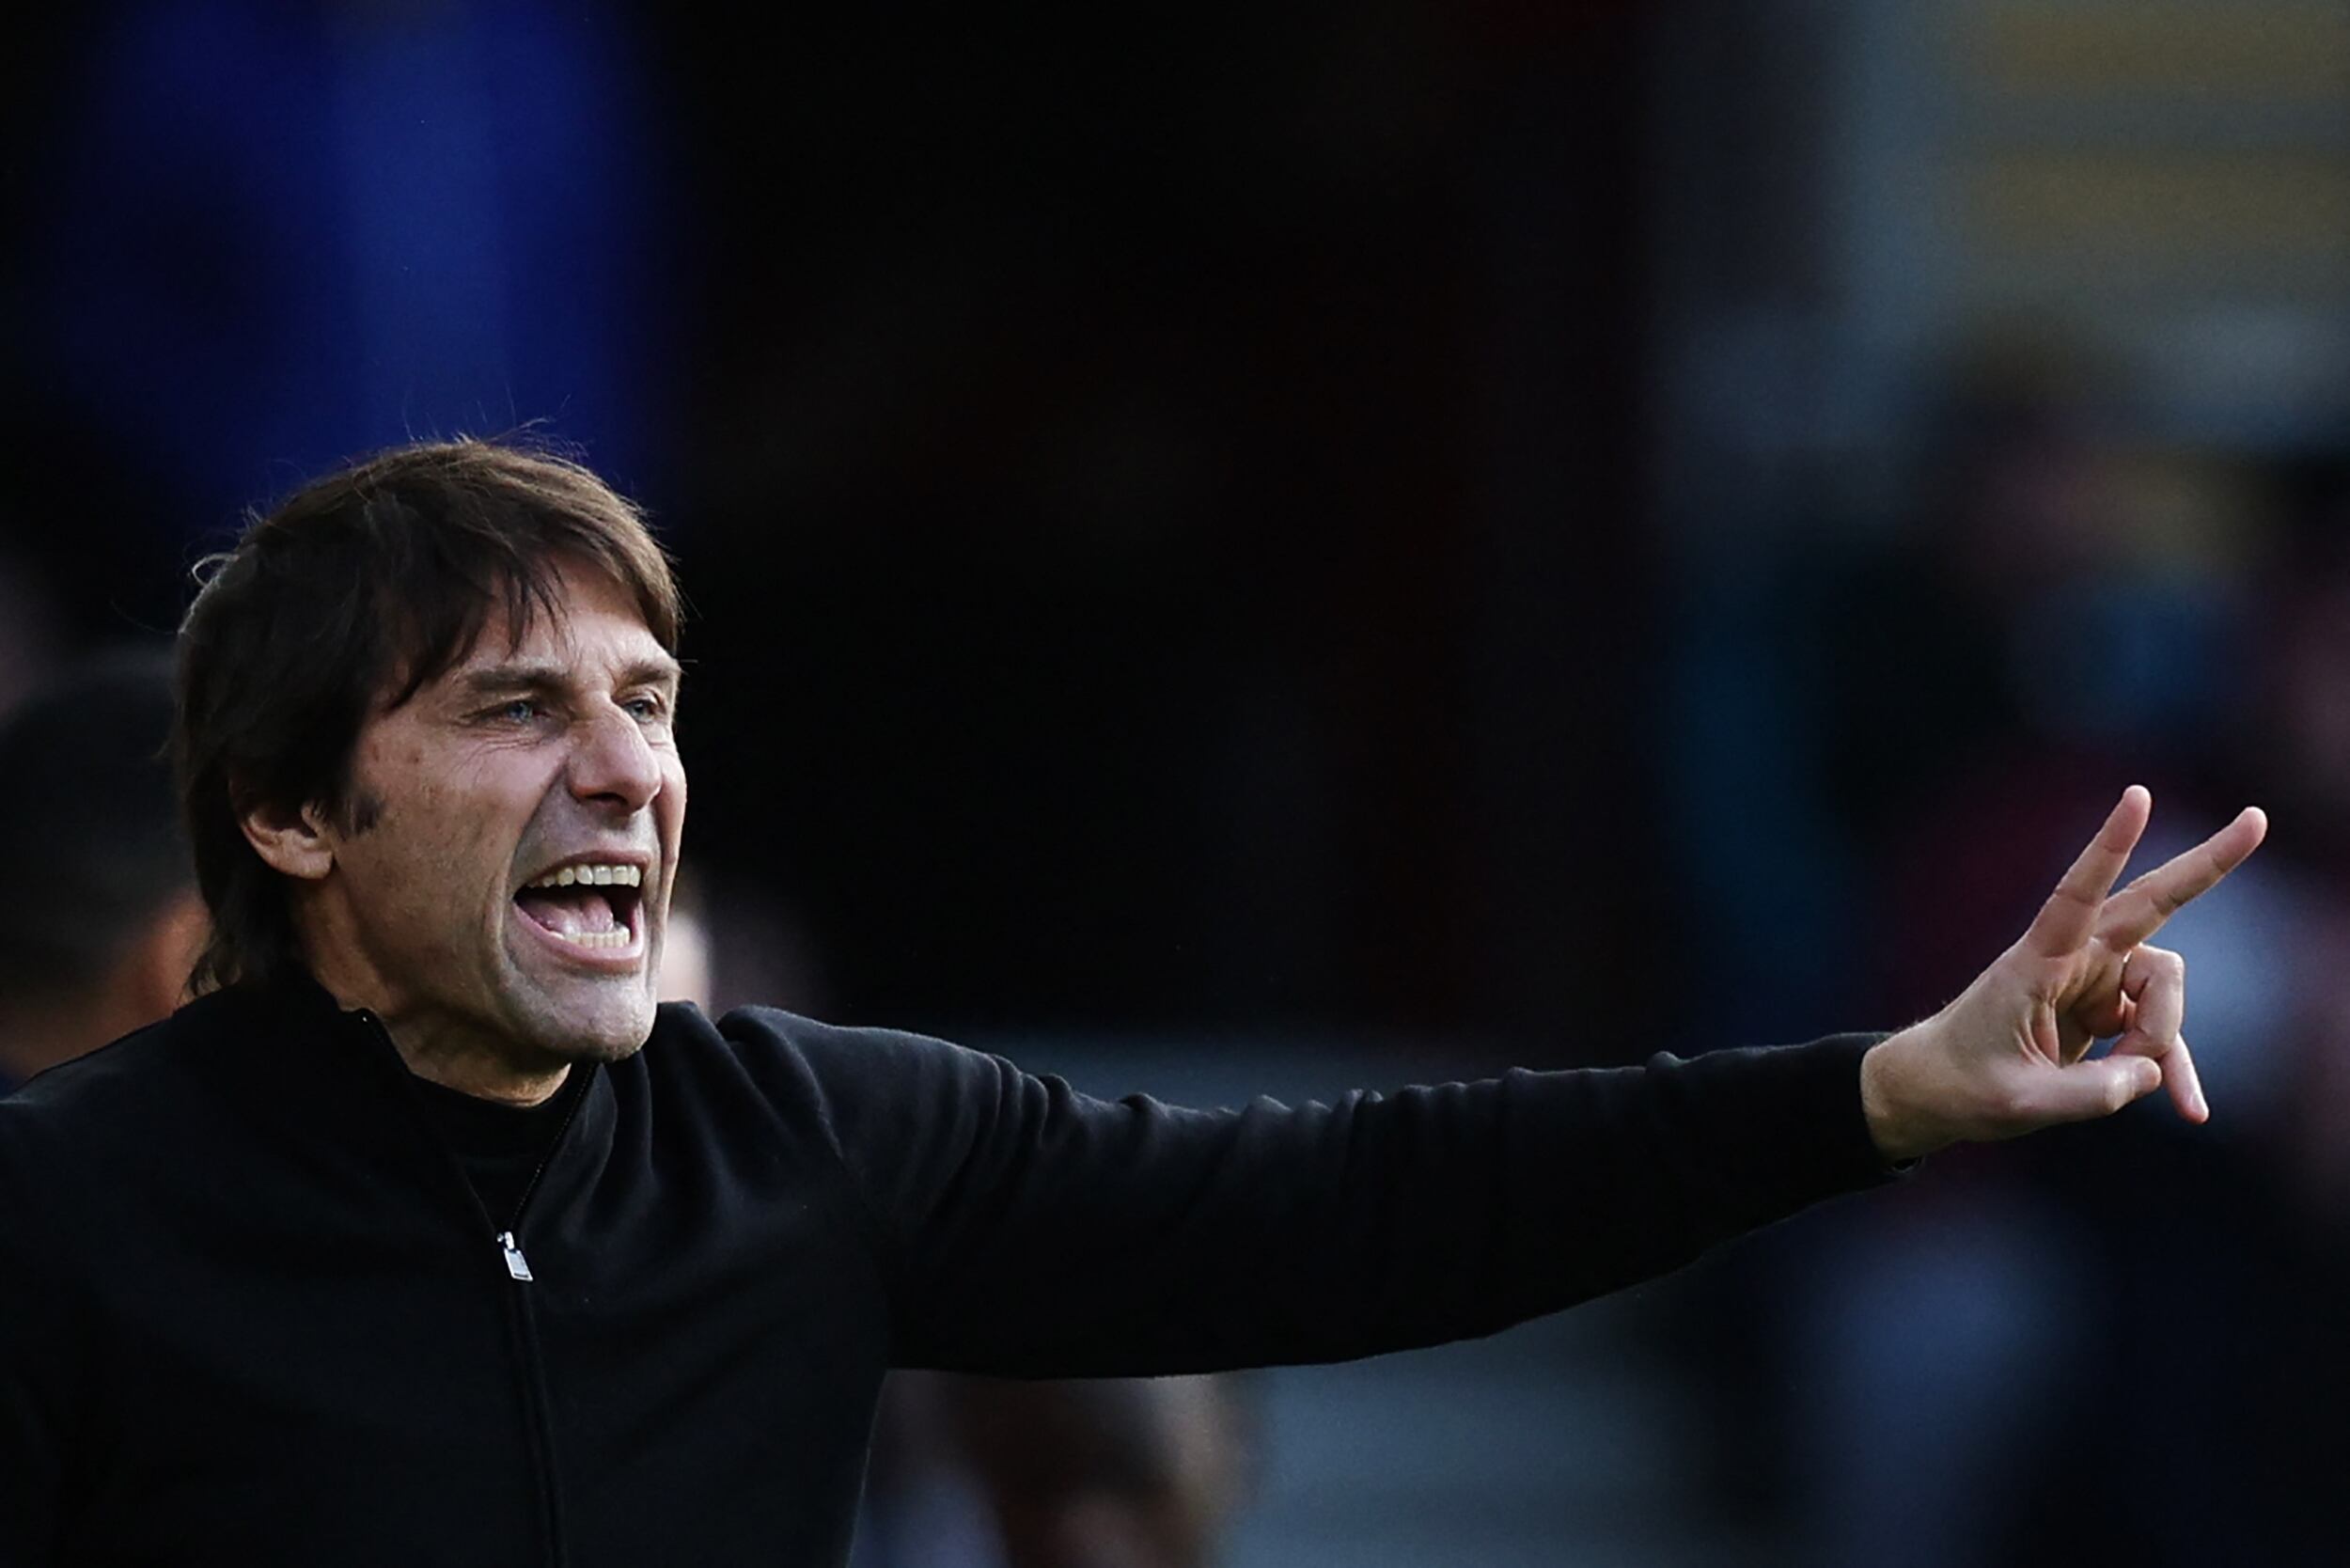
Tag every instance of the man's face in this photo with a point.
(500, 886)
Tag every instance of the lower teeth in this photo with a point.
(596, 938)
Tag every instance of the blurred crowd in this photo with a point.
(2119, 1344)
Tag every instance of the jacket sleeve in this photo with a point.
(35, 1361)
(1022, 1228)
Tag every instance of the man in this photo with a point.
(87, 816)
(426, 1237)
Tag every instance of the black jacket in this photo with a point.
(251, 1312)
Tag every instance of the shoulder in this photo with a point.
(831, 1069)
(79, 1140)
(754, 1038)
(117, 1093)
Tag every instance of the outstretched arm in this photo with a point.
(2009, 1054)
(1019, 1227)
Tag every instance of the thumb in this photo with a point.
(2088, 1090)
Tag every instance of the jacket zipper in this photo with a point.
(521, 1319)
(535, 1399)
(508, 1240)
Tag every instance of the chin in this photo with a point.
(580, 1007)
(605, 1027)
(604, 1050)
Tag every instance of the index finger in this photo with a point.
(2069, 918)
(2137, 911)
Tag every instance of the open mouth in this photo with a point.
(592, 906)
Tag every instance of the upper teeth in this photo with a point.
(599, 876)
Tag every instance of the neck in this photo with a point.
(468, 1068)
(464, 1037)
(453, 1054)
(451, 1049)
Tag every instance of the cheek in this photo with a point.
(431, 875)
(442, 846)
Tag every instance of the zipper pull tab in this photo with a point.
(516, 1264)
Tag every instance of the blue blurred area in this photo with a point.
(263, 238)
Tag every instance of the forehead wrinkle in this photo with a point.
(515, 675)
(662, 671)
(552, 674)
(560, 658)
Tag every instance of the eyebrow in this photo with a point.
(536, 676)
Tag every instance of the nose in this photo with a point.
(613, 763)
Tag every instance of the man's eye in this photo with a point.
(520, 711)
(647, 707)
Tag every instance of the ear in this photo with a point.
(292, 843)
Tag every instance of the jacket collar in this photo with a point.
(299, 1060)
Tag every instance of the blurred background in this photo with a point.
(1278, 547)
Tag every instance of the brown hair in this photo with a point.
(353, 596)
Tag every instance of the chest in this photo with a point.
(363, 1376)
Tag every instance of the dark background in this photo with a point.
(1159, 491)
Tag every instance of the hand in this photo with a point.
(2009, 1054)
